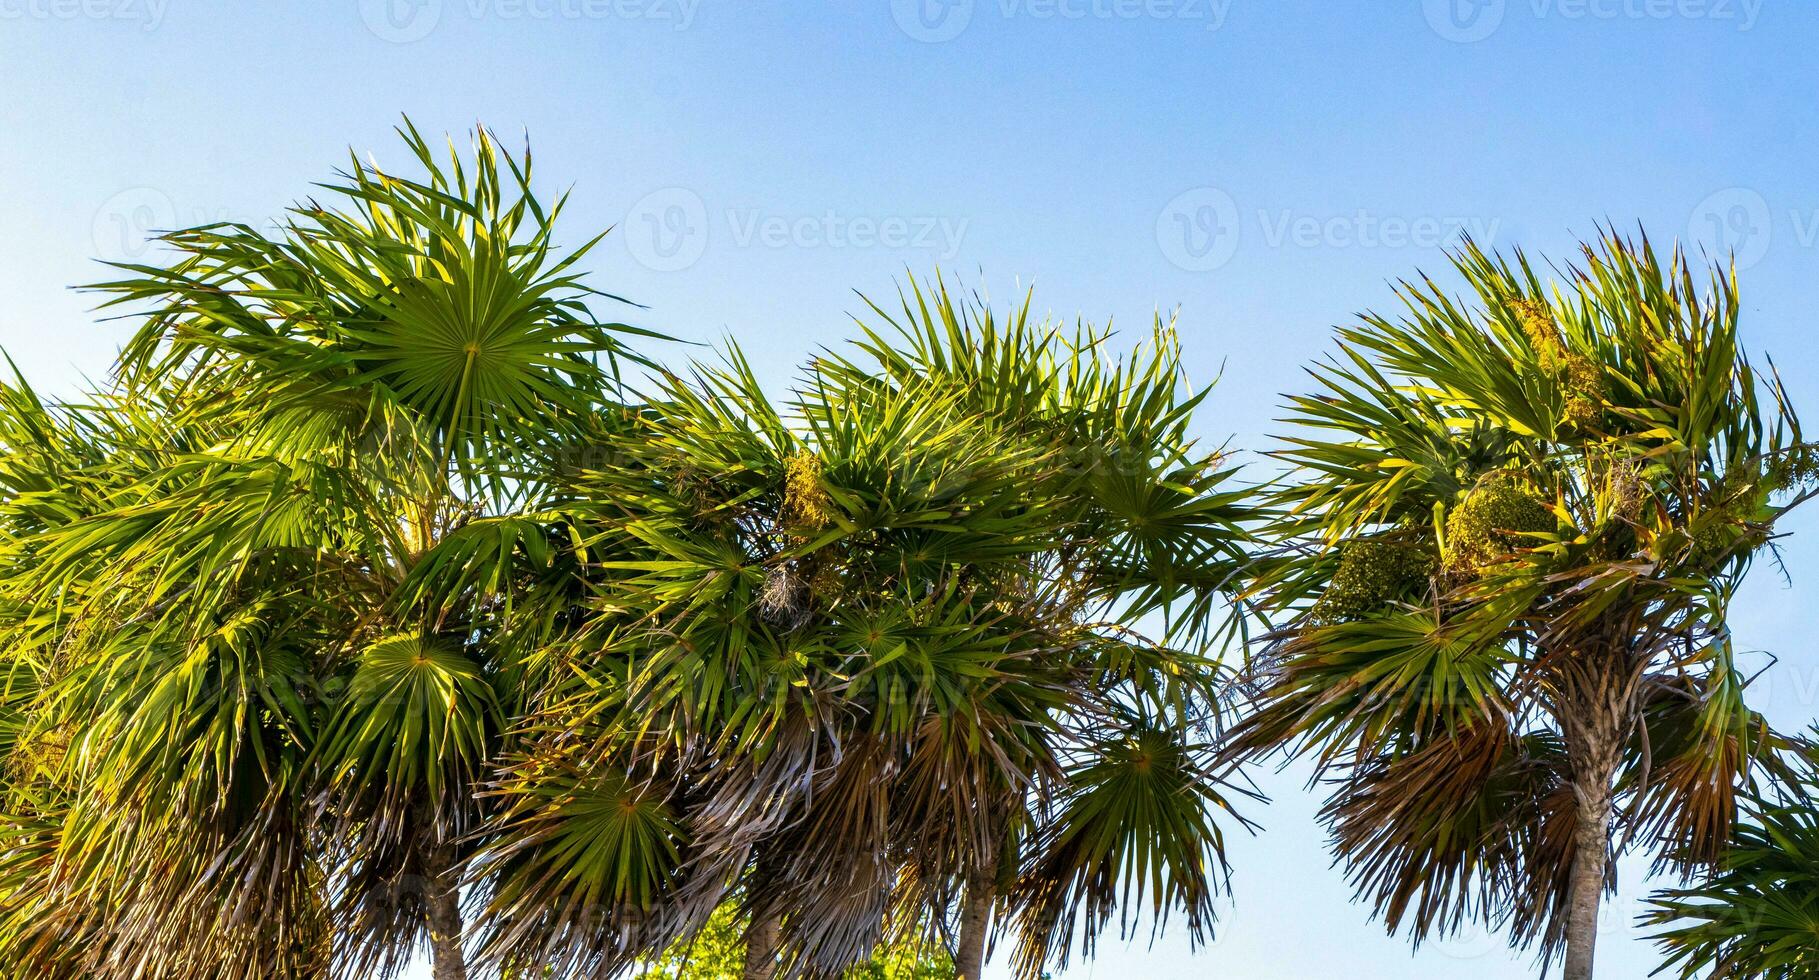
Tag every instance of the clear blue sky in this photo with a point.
(1265, 167)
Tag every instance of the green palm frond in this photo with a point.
(441, 295)
(583, 856)
(1133, 834)
(1381, 686)
(1757, 913)
(414, 724)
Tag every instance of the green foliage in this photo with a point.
(612, 836)
(863, 641)
(717, 952)
(417, 720)
(1757, 913)
(362, 583)
(1129, 793)
(441, 296)
(361, 600)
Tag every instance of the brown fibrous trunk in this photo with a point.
(975, 926)
(1594, 719)
(448, 959)
(761, 939)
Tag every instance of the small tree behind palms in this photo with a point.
(718, 952)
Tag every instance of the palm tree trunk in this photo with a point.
(761, 946)
(448, 961)
(1595, 749)
(975, 925)
(1591, 845)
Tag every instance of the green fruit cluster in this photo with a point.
(1490, 519)
(1372, 573)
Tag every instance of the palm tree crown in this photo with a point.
(869, 661)
(254, 746)
(1513, 530)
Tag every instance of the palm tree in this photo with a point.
(1757, 913)
(869, 661)
(244, 744)
(1512, 531)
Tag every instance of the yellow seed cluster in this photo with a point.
(805, 501)
(1581, 377)
(1585, 391)
(1488, 522)
(1372, 574)
(1538, 324)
